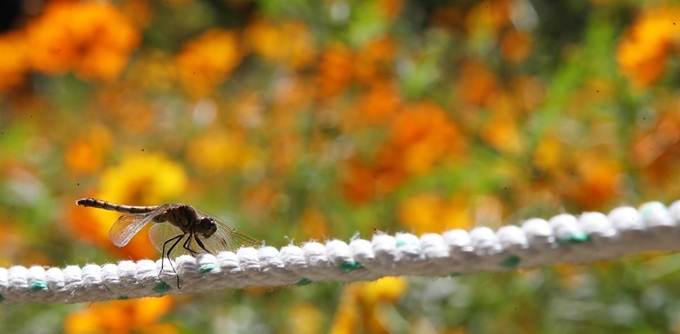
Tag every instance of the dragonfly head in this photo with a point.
(206, 227)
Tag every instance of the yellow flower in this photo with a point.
(138, 315)
(218, 151)
(549, 153)
(91, 38)
(361, 304)
(385, 290)
(214, 152)
(304, 318)
(141, 179)
(430, 213)
(205, 62)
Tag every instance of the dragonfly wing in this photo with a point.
(126, 227)
(227, 238)
(160, 233)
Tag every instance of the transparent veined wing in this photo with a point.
(160, 233)
(127, 226)
(226, 238)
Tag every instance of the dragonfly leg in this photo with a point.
(187, 244)
(200, 243)
(177, 239)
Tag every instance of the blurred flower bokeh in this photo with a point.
(318, 120)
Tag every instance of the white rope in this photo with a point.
(564, 238)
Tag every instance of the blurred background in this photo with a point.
(305, 119)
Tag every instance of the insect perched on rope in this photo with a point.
(173, 223)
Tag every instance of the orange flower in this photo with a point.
(502, 132)
(391, 8)
(91, 38)
(152, 70)
(262, 198)
(643, 52)
(449, 19)
(528, 92)
(568, 275)
(205, 62)
(86, 153)
(597, 181)
(290, 93)
(287, 44)
(655, 150)
(516, 46)
(14, 243)
(314, 224)
(364, 181)
(358, 184)
(488, 17)
(420, 136)
(14, 61)
(423, 134)
(124, 316)
(139, 12)
(477, 83)
(335, 70)
(376, 106)
(374, 62)
(284, 150)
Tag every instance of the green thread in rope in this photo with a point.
(304, 281)
(208, 268)
(576, 238)
(37, 286)
(511, 261)
(161, 287)
(2, 298)
(349, 266)
(123, 297)
(401, 243)
(652, 208)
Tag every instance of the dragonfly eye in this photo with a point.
(206, 227)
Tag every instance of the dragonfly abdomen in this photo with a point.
(99, 204)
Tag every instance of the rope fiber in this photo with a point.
(563, 238)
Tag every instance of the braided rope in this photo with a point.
(564, 238)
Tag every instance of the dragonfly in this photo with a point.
(201, 232)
